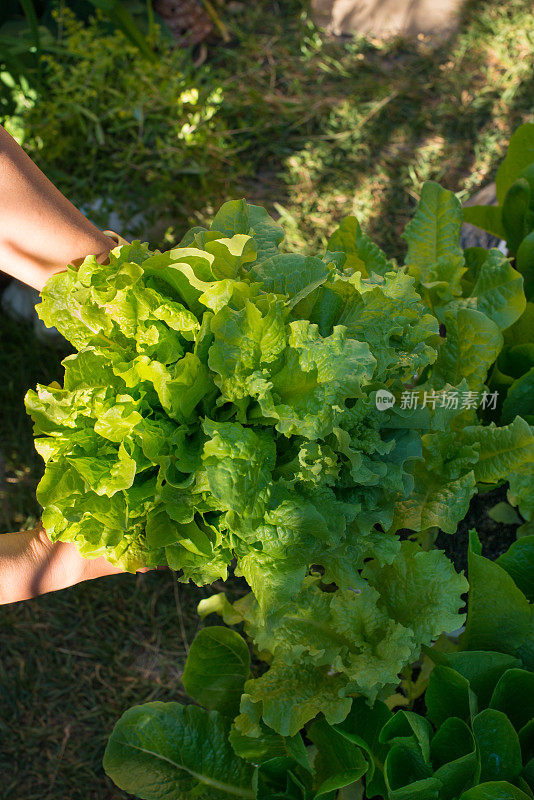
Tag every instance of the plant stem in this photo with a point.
(428, 538)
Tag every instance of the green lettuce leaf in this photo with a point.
(498, 290)
(502, 451)
(499, 613)
(361, 253)
(338, 763)
(444, 482)
(433, 233)
(520, 154)
(473, 342)
(489, 218)
(217, 666)
(161, 750)
(287, 698)
(222, 412)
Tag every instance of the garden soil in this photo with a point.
(495, 537)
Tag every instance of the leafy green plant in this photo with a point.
(39, 18)
(117, 11)
(513, 220)
(331, 116)
(31, 38)
(473, 743)
(458, 289)
(225, 402)
(152, 140)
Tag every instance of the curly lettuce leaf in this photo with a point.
(502, 451)
(498, 290)
(360, 636)
(360, 252)
(287, 698)
(222, 407)
(473, 342)
(444, 482)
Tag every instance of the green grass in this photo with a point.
(315, 130)
(352, 127)
(71, 664)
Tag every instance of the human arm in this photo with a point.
(40, 230)
(31, 565)
(40, 233)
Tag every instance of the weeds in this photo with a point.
(313, 129)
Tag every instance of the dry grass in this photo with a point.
(315, 130)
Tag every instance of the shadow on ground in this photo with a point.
(323, 130)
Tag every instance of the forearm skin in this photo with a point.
(31, 565)
(40, 230)
(40, 233)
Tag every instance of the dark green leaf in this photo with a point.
(448, 695)
(482, 668)
(217, 666)
(518, 400)
(452, 741)
(362, 727)
(518, 561)
(274, 780)
(269, 745)
(338, 762)
(408, 777)
(457, 776)
(486, 217)
(524, 261)
(454, 758)
(514, 210)
(405, 728)
(528, 776)
(159, 751)
(495, 790)
(499, 614)
(498, 745)
(514, 696)
(520, 154)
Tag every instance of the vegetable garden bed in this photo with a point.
(312, 423)
(80, 671)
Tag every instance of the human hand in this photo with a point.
(30, 565)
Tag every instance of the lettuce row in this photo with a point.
(473, 742)
(222, 404)
(479, 298)
(512, 375)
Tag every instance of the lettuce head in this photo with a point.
(222, 404)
